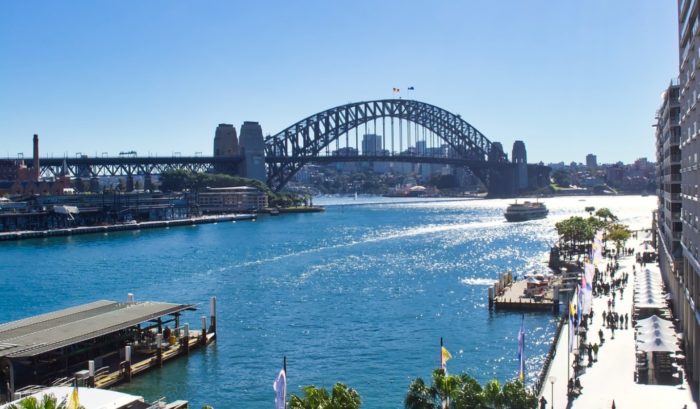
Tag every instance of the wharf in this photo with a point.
(37, 234)
(101, 344)
(509, 295)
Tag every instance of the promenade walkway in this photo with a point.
(611, 377)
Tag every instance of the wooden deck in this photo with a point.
(114, 378)
(512, 298)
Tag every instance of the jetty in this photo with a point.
(73, 231)
(533, 293)
(99, 344)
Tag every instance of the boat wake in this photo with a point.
(382, 236)
(477, 281)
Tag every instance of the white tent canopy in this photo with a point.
(657, 334)
(654, 318)
(657, 345)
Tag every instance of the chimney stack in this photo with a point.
(35, 162)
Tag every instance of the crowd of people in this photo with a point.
(609, 283)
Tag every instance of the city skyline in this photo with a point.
(159, 77)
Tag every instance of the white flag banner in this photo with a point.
(280, 387)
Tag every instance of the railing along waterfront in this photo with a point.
(541, 381)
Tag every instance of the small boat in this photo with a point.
(520, 212)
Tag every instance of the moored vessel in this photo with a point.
(519, 212)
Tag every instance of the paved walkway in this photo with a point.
(612, 376)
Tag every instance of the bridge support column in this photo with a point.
(502, 181)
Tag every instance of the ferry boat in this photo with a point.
(519, 212)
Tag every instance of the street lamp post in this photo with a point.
(552, 379)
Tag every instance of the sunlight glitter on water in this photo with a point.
(355, 294)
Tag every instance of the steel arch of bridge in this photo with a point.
(290, 149)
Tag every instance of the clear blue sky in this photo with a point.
(567, 77)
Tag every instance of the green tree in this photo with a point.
(605, 214)
(419, 396)
(515, 396)
(48, 401)
(470, 394)
(619, 234)
(175, 180)
(493, 397)
(561, 178)
(446, 387)
(465, 392)
(341, 397)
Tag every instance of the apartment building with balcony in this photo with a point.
(685, 283)
(669, 226)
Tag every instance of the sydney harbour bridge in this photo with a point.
(389, 130)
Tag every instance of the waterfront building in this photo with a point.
(252, 147)
(591, 161)
(685, 286)
(39, 350)
(231, 199)
(48, 211)
(669, 225)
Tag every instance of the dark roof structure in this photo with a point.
(47, 332)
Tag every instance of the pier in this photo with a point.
(529, 294)
(38, 234)
(99, 344)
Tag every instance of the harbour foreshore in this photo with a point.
(610, 378)
(37, 234)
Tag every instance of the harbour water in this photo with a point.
(359, 294)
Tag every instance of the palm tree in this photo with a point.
(48, 401)
(470, 394)
(419, 396)
(446, 387)
(493, 397)
(342, 397)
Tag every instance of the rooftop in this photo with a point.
(91, 398)
(43, 333)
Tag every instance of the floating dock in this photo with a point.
(509, 295)
(99, 344)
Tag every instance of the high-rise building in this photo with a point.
(421, 148)
(685, 284)
(669, 225)
(591, 160)
(372, 144)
